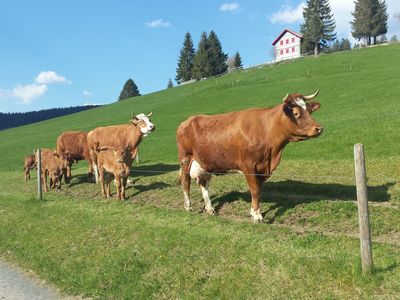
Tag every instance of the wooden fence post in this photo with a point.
(363, 213)
(39, 172)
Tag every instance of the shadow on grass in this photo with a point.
(144, 188)
(287, 194)
(78, 179)
(153, 170)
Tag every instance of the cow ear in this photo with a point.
(135, 121)
(312, 106)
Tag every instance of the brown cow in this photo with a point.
(249, 141)
(52, 166)
(29, 163)
(114, 162)
(129, 135)
(72, 146)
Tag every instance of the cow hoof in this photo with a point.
(211, 211)
(256, 214)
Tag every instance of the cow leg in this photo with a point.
(96, 173)
(26, 175)
(124, 180)
(255, 189)
(45, 181)
(118, 185)
(108, 185)
(204, 184)
(67, 173)
(185, 181)
(103, 190)
(90, 171)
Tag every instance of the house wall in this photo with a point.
(289, 49)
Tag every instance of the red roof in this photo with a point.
(283, 32)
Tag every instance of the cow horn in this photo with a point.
(149, 115)
(284, 98)
(311, 96)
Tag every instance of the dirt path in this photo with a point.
(15, 284)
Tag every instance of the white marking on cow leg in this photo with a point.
(256, 214)
(96, 173)
(188, 204)
(207, 202)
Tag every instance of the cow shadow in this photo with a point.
(160, 185)
(285, 195)
(152, 170)
(78, 179)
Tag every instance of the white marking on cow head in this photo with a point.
(146, 127)
(300, 102)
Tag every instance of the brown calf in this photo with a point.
(249, 141)
(113, 136)
(53, 166)
(72, 146)
(114, 162)
(29, 163)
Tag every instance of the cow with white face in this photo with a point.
(126, 135)
(250, 142)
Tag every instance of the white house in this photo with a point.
(287, 45)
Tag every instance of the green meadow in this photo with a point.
(149, 247)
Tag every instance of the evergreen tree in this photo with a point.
(201, 62)
(370, 19)
(345, 45)
(129, 90)
(380, 19)
(318, 27)
(238, 60)
(217, 58)
(170, 84)
(185, 61)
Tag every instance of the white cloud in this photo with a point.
(158, 23)
(288, 14)
(87, 93)
(46, 77)
(28, 92)
(229, 6)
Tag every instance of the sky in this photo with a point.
(76, 52)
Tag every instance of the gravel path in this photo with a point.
(15, 284)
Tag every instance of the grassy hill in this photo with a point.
(148, 246)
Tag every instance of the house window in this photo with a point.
(281, 52)
(281, 42)
(293, 40)
(287, 41)
(287, 50)
(293, 49)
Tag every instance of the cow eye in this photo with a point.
(296, 114)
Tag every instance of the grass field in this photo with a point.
(148, 246)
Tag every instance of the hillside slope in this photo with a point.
(149, 247)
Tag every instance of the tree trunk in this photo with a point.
(316, 50)
(374, 39)
(369, 40)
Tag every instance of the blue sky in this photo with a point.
(65, 53)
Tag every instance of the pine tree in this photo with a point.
(201, 62)
(185, 61)
(238, 60)
(216, 56)
(318, 27)
(370, 19)
(380, 20)
(129, 90)
(170, 84)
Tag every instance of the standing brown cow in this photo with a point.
(129, 135)
(114, 162)
(52, 166)
(29, 163)
(72, 146)
(249, 141)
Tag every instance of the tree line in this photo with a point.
(10, 120)
(369, 22)
(207, 61)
